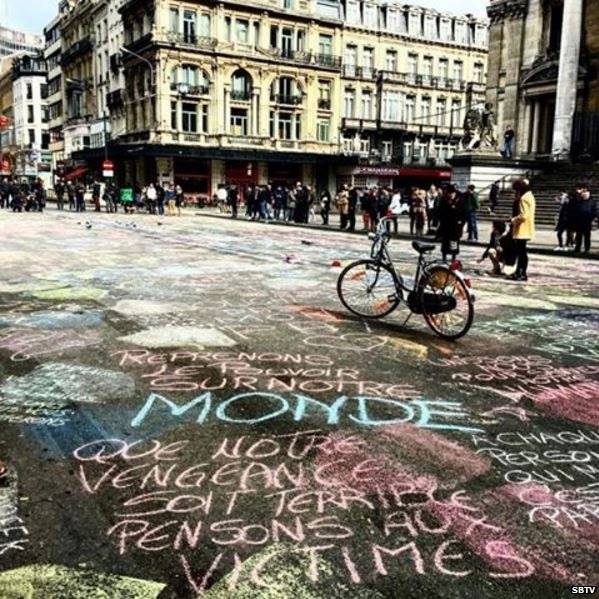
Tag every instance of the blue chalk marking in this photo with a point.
(420, 413)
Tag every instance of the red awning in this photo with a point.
(426, 173)
(75, 174)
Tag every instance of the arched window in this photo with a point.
(285, 90)
(241, 85)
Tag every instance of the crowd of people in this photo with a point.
(446, 213)
(577, 211)
(32, 197)
(21, 195)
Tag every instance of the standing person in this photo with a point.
(584, 213)
(451, 222)
(373, 213)
(151, 197)
(263, 200)
(394, 212)
(563, 221)
(222, 197)
(80, 198)
(301, 204)
(16, 202)
(179, 199)
(342, 203)
(169, 196)
(233, 200)
(108, 198)
(523, 225)
(291, 205)
(352, 206)
(432, 205)
(59, 191)
(280, 202)
(96, 195)
(71, 195)
(4, 192)
(365, 208)
(311, 197)
(413, 195)
(493, 198)
(471, 204)
(160, 198)
(508, 142)
(419, 211)
(325, 205)
(251, 202)
(40, 195)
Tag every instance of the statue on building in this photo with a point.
(472, 129)
(488, 133)
(480, 129)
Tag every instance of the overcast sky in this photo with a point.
(32, 15)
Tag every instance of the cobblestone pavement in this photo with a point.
(187, 410)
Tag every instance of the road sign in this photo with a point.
(108, 168)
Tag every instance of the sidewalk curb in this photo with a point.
(532, 249)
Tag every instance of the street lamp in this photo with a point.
(143, 59)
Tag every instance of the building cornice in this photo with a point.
(507, 10)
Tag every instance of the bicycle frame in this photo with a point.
(381, 255)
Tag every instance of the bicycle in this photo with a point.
(372, 288)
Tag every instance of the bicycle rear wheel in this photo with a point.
(446, 303)
(368, 289)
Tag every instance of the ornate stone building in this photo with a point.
(281, 90)
(543, 75)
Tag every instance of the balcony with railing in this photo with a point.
(138, 44)
(185, 89)
(240, 95)
(353, 71)
(328, 61)
(324, 103)
(358, 124)
(287, 99)
(184, 39)
(287, 55)
(79, 48)
(427, 81)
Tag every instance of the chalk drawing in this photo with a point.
(174, 336)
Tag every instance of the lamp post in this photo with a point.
(143, 59)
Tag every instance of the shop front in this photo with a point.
(286, 174)
(194, 177)
(392, 177)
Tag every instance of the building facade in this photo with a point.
(543, 75)
(13, 42)
(55, 111)
(25, 144)
(276, 90)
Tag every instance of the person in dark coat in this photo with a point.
(80, 198)
(280, 202)
(493, 197)
(584, 213)
(59, 190)
(325, 206)
(301, 204)
(564, 221)
(233, 200)
(352, 206)
(452, 216)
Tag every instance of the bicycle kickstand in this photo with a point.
(405, 322)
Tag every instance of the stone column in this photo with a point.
(227, 114)
(536, 123)
(565, 102)
(255, 113)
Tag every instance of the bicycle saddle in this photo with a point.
(422, 248)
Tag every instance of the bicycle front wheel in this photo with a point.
(446, 303)
(368, 289)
